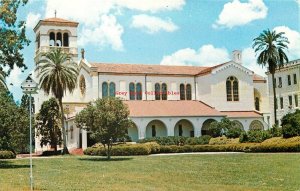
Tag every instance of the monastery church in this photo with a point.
(163, 100)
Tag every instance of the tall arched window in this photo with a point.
(188, 92)
(232, 89)
(66, 39)
(104, 89)
(157, 91)
(131, 91)
(164, 89)
(112, 89)
(139, 91)
(182, 92)
(257, 103)
(52, 39)
(58, 39)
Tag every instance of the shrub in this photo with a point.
(291, 124)
(254, 136)
(233, 131)
(7, 155)
(125, 150)
(222, 141)
(170, 140)
(215, 129)
(275, 131)
(198, 140)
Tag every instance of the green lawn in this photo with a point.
(184, 172)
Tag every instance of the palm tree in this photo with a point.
(2, 80)
(270, 47)
(57, 73)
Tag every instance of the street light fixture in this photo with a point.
(29, 87)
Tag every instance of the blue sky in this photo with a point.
(170, 32)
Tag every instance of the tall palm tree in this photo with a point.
(270, 47)
(57, 73)
(2, 80)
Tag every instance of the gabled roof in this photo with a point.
(147, 69)
(167, 108)
(241, 114)
(56, 22)
(258, 79)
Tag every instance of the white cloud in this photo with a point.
(294, 39)
(32, 19)
(152, 24)
(15, 78)
(151, 5)
(236, 13)
(97, 18)
(109, 32)
(207, 55)
(249, 61)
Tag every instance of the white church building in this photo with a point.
(163, 100)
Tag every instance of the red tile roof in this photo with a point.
(242, 113)
(148, 69)
(259, 79)
(56, 22)
(170, 109)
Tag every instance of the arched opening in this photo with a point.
(112, 89)
(232, 89)
(133, 133)
(58, 39)
(164, 89)
(104, 89)
(138, 91)
(184, 128)
(157, 91)
(182, 92)
(66, 39)
(131, 91)
(238, 124)
(156, 128)
(51, 39)
(205, 130)
(256, 125)
(257, 99)
(188, 92)
(82, 85)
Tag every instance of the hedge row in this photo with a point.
(151, 148)
(7, 155)
(178, 140)
(125, 150)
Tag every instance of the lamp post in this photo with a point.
(29, 87)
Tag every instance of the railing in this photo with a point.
(68, 50)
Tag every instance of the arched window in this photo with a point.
(104, 89)
(66, 39)
(58, 39)
(52, 39)
(188, 92)
(257, 103)
(138, 91)
(182, 92)
(131, 91)
(164, 91)
(112, 89)
(232, 89)
(157, 91)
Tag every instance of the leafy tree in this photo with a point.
(48, 124)
(107, 119)
(225, 127)
(291, 124)
(2, 81)
(12, 36)
(25, 103)
(57, 73)
(14, 122)
(270, 47)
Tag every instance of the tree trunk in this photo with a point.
(108, 151)
(274, 99)
(65, 149)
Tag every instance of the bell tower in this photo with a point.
(56, 32)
